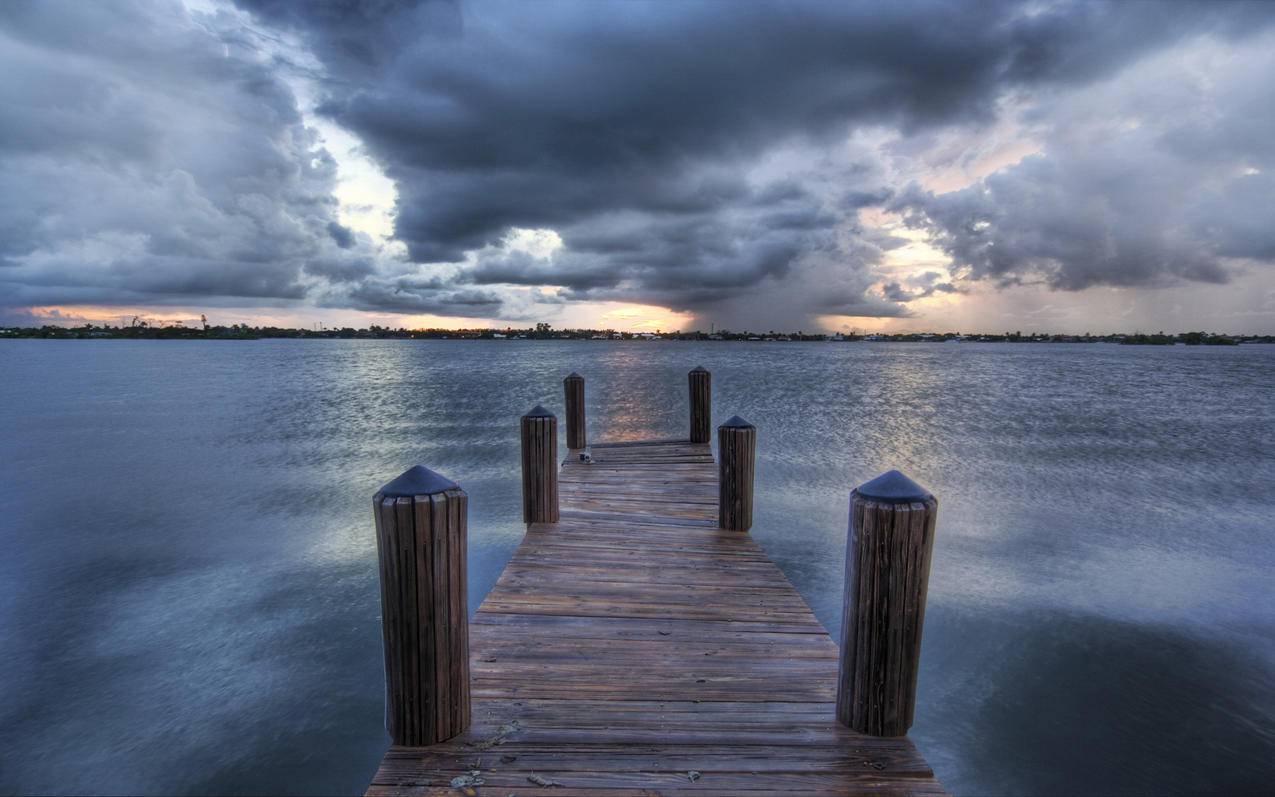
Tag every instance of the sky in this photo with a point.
(829, 166)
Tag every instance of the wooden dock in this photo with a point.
(634, 648)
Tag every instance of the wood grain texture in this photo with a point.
(635, 642)
(737, 450)
(422, 548)
(701, 394)
(573, 388)
(539, 468)
(887, 573)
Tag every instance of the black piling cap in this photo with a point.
(539, 412)
(574, 375)
(699, 369)
(893, 487)
(418, 480)
(736, 422)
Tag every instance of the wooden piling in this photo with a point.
(539, 466)
(681, 663)
(701, 385)
(887, 571)
(737, 451)
(421, 544)
(573, 386)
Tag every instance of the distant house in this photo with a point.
(498, 335)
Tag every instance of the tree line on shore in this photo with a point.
(543, 331)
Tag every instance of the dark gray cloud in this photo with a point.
(144, 157)
(414, 296)
(152, 156)
(635, 133)
(550, 116)
(703, 156)
(1164, 176)
(341, 234)
(920, 286)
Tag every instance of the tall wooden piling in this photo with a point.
(573, 386)
(539, 466)
(887, 571)
(737, 451)
(421, 544)
(701, 385)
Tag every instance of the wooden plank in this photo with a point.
(634, 642)
(643, 443)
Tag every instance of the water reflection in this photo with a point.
(632, 395)
(1090, 705)
(189, 586)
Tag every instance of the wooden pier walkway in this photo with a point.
(634, 648)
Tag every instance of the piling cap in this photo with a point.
(574, 375)
(736, 422)
(893, 487)
(699, 369)
(418, 480)
(539, 412)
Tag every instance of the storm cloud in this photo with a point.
(148, 166)
(1163, 175)
(697, 156)
(690, 153)
(151, 156)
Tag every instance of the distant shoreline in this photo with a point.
(543, 332)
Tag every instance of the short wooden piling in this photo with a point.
(701, 385)
(539, 466)
(737, 452)
(573, 386)
(887, 571)
(421, 544)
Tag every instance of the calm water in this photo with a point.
(188, 598)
